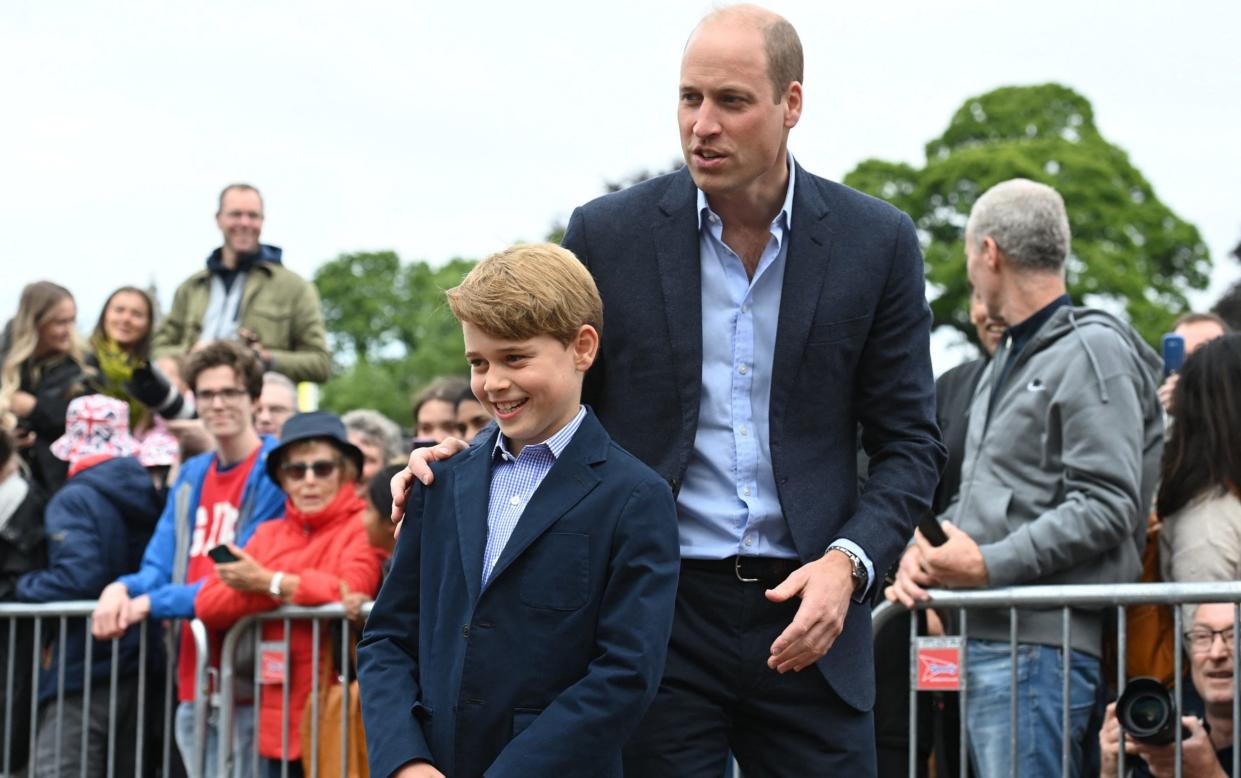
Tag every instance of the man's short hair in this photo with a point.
(526, 291)
(1027, 221)
(240, 188)
(781, 44)
(227, 353)
(1203, 318)
(376, 429)
(281, 380)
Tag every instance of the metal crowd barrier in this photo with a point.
(1118, 596)
(234, 643)
(53, 619)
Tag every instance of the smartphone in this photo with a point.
(1173, 353)
(222, 554)
(931, 530)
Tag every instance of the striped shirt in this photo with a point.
(514, 480)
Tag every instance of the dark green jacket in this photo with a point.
(278, 306)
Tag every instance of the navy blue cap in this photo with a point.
(315, 425)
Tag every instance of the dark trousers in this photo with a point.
(718, 695)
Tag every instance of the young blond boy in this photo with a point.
(523, 627)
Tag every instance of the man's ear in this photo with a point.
(792, 105)
(585, 347)
(991, 253)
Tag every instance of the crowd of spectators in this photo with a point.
(161, 468)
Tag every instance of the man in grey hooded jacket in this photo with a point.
(1061, 458)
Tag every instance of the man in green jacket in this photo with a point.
(246, 294)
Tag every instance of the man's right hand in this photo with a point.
(107, 622)
(419, 467)
(1166, 391)
(911, 580)
(418, 769)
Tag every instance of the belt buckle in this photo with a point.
(737, 571)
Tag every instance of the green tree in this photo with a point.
(1128, 247)
(390, 330)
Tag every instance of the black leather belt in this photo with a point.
(770, 571)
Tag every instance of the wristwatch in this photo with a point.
(859, 569)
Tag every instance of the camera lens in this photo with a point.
(1146, 712)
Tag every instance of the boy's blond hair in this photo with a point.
(529, 290)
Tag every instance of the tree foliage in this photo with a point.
(390, 330)
(1129, 249)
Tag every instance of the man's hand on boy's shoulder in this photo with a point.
(418, 769)
(419, 467)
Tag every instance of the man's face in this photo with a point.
(437, 419)
(241, 220)
(372, 456)
(982, 278)
(1211, 666)
(471, 418)
(1198, 332)
(990, 329)
(276, 404)
(223, 403)
(732, 131)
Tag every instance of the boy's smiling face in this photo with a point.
(532, 387)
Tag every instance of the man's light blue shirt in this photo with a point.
(728, 503)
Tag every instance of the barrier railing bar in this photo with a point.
(139, 740)
(1236, 690)
(1012, 685)
(254, 746)
(913, 694)
(1177, 628)
(284, 705)
(34, 683)
(112, 701)
(63, 625)
(1122, 626)
(1066, 670)
(344, 697)
(88, 652)
(202, 696)
(963, 672)
(314, 698)
(170, 658)
(8, 697)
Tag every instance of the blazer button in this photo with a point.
(465, 632)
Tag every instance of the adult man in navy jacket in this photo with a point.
(757, 314)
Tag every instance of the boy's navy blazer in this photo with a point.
(548, 669)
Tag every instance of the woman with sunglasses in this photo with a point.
(315, 555)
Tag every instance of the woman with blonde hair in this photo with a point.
(41, 367)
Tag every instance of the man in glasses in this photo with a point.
(219, 497)
(1207, 749)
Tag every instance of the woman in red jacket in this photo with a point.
(312, 556)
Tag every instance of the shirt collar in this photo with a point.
(555, 444)
(786, 210)
(1020, 334)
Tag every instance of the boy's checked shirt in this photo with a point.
(514, 481)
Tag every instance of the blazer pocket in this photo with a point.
(556, 572)
(838, 331)
(523, 718)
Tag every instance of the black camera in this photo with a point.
(1147, 714)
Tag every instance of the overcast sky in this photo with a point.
(453, 129)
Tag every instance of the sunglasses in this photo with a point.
(322, 468)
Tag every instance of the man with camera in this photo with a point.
(1207, 744)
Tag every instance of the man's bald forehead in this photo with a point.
(781, 44)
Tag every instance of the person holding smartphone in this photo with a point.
(1193, 329)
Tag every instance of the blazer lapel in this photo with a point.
(471, 493)
(680, 276)
(804, 270)
(564, 486)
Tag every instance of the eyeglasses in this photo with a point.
(322, 468)
(207, 396)
(1201, 639)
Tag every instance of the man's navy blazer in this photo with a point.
(852, 345)
(547, 669)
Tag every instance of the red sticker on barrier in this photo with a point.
(939, 665)
(271, 662)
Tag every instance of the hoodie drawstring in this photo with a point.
(1094, 363)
